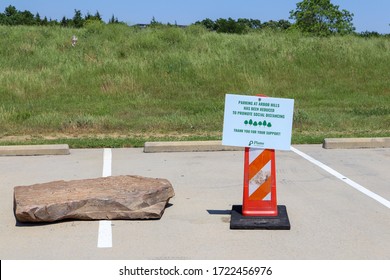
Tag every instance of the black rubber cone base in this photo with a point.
(279, 222)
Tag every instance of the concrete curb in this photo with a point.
(188, 146)
(34, 150)
(356, 143)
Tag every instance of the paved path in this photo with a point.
(330, 219)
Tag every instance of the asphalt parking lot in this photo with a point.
(338, 210)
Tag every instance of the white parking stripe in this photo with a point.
(107, 159)
(105, 227)
(343, 178)
(105, 234)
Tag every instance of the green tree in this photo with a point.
(277, 25)
(10, 11)
(250, 23)
(78, 20)
(96, 17)
(113, 20)
(208, 23)
(12, 16)
(230, 26)
(38, 19)
(64, 22)
(26, 18)
(321, 17)
(45, 21)
(154, 23)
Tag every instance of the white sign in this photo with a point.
(258, 122)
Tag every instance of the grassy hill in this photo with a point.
(120, 86)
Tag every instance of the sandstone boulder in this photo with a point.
(116, 197)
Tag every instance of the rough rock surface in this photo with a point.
(116, 197)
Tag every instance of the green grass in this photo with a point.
(170, 83)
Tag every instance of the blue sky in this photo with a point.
(370, 15)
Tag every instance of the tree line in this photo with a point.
(12, 17)
(315, 17)
(242, 25)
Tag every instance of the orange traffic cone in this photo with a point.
(259, 183)
(259, 209)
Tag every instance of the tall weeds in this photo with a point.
(126, 80)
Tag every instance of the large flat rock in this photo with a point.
(116, 197)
